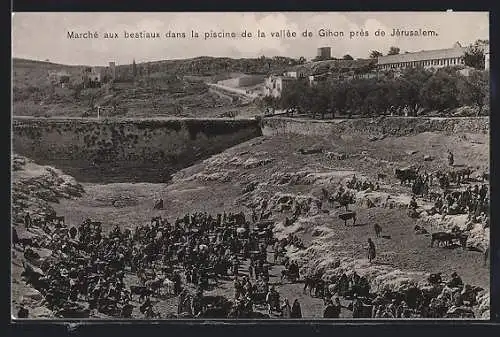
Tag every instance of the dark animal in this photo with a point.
(348, 216)
(141, 291)
(345, 199)
(435, 278)
(377, 229)
(158, 204)
(381, 176)
(33, 276)
(314, 284)
(289, 274)
(420, 230)
(23, 313)
(442, 238)
(462, 239)
(406, 175)
(25, 242)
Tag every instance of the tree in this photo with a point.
(320, 99)
(337, 96)
(375, 53)
(134, 69)
(295, 96)
(474, 56)
(474, 89)
(440, 92)
(347, 57)
(393, 51)
(409, 86)
(353, 100)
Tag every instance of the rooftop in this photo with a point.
(456, 51)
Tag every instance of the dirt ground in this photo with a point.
(216, 185)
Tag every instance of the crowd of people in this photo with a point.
(88, 265)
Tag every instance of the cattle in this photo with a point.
(348, 216)
(462, 239)
(406, 175)
(141, 291)
(442, 238)
(381, 176)
(314, 284)
(32, 275)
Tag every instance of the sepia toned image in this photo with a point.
(286, 166)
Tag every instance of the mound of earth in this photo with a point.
(369, 199)
(308, 177)
(221, 176)
(34, 188)
(286, 202)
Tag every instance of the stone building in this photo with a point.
(427, 59)
(324, 53)
(275, 84)
(91, 77)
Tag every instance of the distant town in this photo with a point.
(276, 82)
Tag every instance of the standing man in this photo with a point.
(450, 158)
(371, 250)
(27, 220)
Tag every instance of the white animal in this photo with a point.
(168, 285)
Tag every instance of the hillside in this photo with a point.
(160, 94)
(161, 88)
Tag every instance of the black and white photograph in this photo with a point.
(250, 166)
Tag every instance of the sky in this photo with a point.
(43, 36)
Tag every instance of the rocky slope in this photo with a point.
(34, 188)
